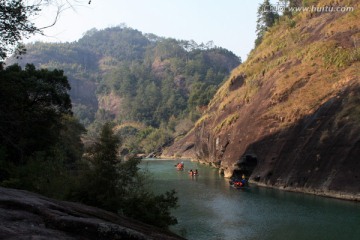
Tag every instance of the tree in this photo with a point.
(32, 103)
(99, 187)
(15, 24)
(267, 16)
(70, 139)
(118, 186)
(40, 141)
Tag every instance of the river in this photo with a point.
(211, 209)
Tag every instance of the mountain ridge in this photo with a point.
(288, 117)
(121, 75)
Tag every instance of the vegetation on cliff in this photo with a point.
(288, 116)
(122, 75)
(311, 55)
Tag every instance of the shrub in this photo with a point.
(118, 186)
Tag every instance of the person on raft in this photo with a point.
(180, 166)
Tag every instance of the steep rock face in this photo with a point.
(320, 153)
(25, 215)
(289, 116)
(184, 148)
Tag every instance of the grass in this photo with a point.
(307, 58)
(227, 121)
(201, 120)
(340, 57)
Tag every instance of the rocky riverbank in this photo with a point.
(26, 215)
(318, 192)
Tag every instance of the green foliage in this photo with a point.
(266, 18)
(227, 121)
(84, 113)
(152, 78)
(40, 141)
(31, 105)
(201, 94)
(153, 209)
(341, 57)
(70, 140)
(286, 5)
(119, 186)
(41, 148)
(45, 172)
(308, 3)
(156, 140)
(122, 43)
(291, 23)
(99, 186)
(153, 93)
(15, 24)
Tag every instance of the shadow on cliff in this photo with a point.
(319, 152)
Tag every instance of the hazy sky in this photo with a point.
(229, 23)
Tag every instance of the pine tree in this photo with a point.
(118, 186)
(99, 186)
(267, 16)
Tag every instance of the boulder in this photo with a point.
(26, 215)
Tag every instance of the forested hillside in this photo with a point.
(153, 88)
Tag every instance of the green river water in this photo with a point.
(211, 209)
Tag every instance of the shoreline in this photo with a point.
(164, 159)
(169, 158)
(317, 192)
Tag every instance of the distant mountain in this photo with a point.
(156, 77)
(120, 74)
(289, 117)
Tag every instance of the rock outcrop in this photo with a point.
(289, 117)
(184, 148)
(25, 215)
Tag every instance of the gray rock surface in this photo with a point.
(26, 215)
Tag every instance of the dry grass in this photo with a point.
(201, 120)
(309, 61)
(227, 121)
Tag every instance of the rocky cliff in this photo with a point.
(289, 117)
(25, 215)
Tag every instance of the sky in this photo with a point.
(229, 24)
